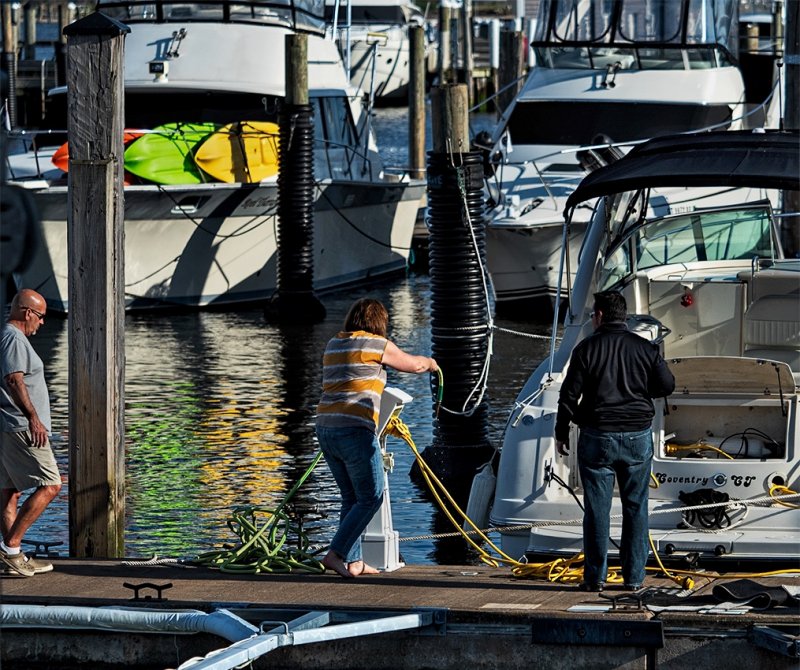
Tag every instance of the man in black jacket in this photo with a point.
(608, 392)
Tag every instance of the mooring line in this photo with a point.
(577, 522)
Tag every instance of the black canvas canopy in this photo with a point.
(757, 159)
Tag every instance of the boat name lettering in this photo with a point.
(736, 480)
(261, 202)
(664, 479)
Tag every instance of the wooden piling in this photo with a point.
(294, 300)
(512, 66)
(95, 242)
(777, 27)
(10, 62)
(466, 47)
(416, 103)
(450, 118)
(459, 303)
(791, 115)
(31, 10)
(444, 65)
(296, 68)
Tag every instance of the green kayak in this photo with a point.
(166, 155)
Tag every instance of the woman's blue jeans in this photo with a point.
(355, 461)
(602, 457)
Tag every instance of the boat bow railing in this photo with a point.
(302, 16)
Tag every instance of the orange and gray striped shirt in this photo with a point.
(353, 380)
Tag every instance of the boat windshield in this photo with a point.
(300, 15)
(719, 234)
(636, 34)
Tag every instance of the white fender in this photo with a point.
(480, 495)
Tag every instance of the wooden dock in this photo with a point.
(480, 616)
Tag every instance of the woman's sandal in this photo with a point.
(357, 568)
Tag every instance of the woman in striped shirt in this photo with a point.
(353, 379)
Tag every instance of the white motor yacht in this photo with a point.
(211, 243)
(607, 74)
(710, 286)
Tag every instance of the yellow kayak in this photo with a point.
(246, 152)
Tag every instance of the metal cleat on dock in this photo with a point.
(148, 585)
(630, 602)
(42, 548)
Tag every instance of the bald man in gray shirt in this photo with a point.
(26, 459)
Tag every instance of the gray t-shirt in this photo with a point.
(17, 355)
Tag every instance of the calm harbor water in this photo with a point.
(219, 413)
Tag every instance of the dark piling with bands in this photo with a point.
(294, 300)
(459, 314)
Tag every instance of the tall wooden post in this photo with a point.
(294, 300)
(297, 70)
(777, 27)
(30, 29)
(512, 63)
(416, 103)
(10, 62)
(450, 119)
(444, 64)
(752, 38)
(791, 116)
(459, 304)
(95, 241)
(466, 46)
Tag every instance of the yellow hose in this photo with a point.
(560, 570)
(785, 490)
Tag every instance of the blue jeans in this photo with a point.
(601, 457)
(355, 461)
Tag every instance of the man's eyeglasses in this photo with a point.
(39, 314)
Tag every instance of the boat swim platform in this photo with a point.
(476, 616)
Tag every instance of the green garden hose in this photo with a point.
(438, 394)
(275, 545)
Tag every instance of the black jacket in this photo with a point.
(612, 379)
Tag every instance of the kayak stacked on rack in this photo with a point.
(197, 153)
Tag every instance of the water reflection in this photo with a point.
(219, 413)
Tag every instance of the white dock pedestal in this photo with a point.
(380, 543)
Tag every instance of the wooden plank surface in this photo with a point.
(469, 590)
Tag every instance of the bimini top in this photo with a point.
(763, 159)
